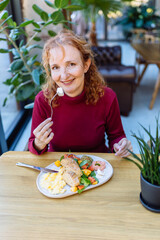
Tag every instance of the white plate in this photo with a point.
(108, 174)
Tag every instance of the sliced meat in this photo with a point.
(71, 165)
(71, 178)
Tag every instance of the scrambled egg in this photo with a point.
(53, 182)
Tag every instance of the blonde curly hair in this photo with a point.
(93, 84)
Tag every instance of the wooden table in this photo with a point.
(151, 54)
(111, 211)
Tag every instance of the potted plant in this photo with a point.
(149, 164)
(141, 17)
(27, 73)
(91, 9)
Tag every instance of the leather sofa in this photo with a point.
(117, 76)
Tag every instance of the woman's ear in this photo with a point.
(87, 65)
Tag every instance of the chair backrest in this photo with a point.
(107, 55)
(149, 38)
(138, 33)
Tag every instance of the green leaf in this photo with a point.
(57, 16)
(21, 43)
(6, 20)
(11, 23)
(3, 4)
(44, 16)
(61, 3)
(37, 9)
(83, 163)
(16, 65)
(3, 39)
(26, 77)
(93, 174)
(15, 80)
(42, 78)
(34, 46)
(23, 24)
(29, 106)
(25, 92)
(37, 30)
(36, 76)
(51, 33)
(62, 157)
(7, 82)
(5, 101)
(37, 39)
(23, 49)
(74, 7)
(2, 50)
(36, 25)
(4, 14)
(48, 23)
(15, 52)
(85, 181)
(49, 4)
(133, 161)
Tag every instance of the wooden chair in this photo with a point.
(147, 38)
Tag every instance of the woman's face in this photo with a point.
(67, 69)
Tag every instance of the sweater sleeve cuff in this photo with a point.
(116, 141)
(35, 151)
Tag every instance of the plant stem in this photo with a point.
(23, 84)
(21, 55)
(34, 35)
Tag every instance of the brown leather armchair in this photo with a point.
(119, 77)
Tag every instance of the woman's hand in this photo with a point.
(121, 147)
(43, 134)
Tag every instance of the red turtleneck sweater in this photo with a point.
(78, 127)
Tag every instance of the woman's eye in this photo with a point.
(72, 64)
(54, 67)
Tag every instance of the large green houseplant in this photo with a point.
(142, 17)
(27, 74)
(149, 164)
(91, 9)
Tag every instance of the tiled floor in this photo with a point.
(140, 112)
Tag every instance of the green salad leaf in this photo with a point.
(61, 158)
(83, 163)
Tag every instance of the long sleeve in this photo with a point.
(40, 113)
(114, 128)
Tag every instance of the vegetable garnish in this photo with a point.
(83, 163)
(97, 164)
(61, 158)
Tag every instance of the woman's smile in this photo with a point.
(68, 82)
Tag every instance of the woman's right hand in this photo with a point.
(43, 134)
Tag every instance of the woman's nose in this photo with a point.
(64, 73)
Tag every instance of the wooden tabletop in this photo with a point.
(149, 51)
(111, 211)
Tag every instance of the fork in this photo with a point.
(60, 94)
(51, 104)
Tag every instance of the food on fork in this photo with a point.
(60, 92)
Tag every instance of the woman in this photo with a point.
(87, 110)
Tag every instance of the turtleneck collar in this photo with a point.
(73, 100)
